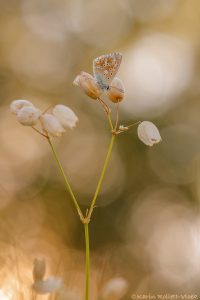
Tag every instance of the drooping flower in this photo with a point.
(116, 90)
(88, 84)
(28, 115)
(65, 116)
(148, 133)
(16, 105)
(51, 125)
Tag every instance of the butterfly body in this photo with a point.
(105, 68)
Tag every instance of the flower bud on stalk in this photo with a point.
(65, 116)
(16, 105)
(51, 125)
(28, 115)
(148, 133)
(88, 84)
(116, 90)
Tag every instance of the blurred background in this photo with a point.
(146, 227)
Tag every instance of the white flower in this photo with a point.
(47, 286)
(16, 105)
(115, 289)
(65, 115)
(51, 125)
(148, 133)
(116, 90)
(88, 84)
(39, 269)
(28, 115)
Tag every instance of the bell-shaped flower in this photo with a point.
(28, 115)
(88, 84)
(65, 116)
(116, 90)
(47, 286)
(148, 133)
(115, 289)
(39, 268)
(51, 125)
(16, 105)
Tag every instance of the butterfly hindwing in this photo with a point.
(105, 68)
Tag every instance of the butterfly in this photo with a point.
(105, 68)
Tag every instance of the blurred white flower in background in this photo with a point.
(16, 105)
(28, 115)
(47, 286)
(157, 69)
(115, 289)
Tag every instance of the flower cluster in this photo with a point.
(51, 124)
(148, 133)
(91, 88)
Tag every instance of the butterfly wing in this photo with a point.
(105, 68)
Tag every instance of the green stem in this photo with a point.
(87, 264)
(110, 121)
(101, 177)
(65, 180)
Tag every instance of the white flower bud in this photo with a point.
(65, 116)
(39, 269)
(115, 289)
(88, 84)
(47, 286)
(28, 115)
(148, 133)
(51, 125)
(116, 90)
(16, 105)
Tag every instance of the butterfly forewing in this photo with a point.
(105, 68)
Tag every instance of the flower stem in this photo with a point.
(101, 178)
(65, 180)
(110, 121)
(87, 263)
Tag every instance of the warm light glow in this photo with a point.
(4, 296)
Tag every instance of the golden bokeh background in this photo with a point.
(146, 227)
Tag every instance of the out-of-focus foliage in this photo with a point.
(146, 227)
